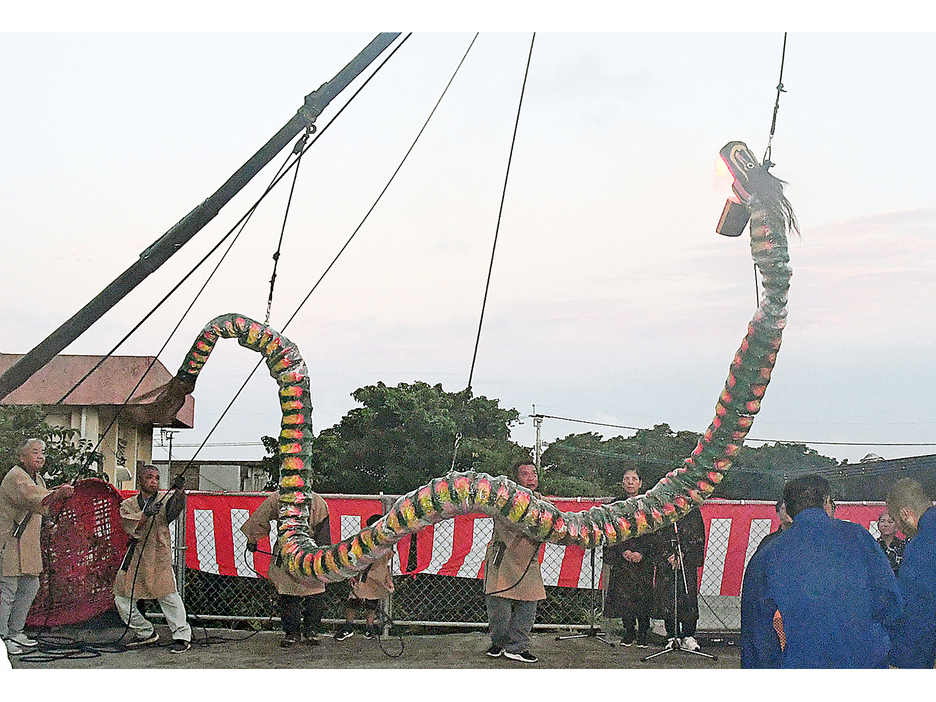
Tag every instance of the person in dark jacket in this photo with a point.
(785, 522)
(892, 544)
(913, 642)
(686, 536)
(629, 592)
(831, 583)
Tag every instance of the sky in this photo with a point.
(612, 299)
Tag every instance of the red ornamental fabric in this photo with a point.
(81, 551)
(83, 547)
(455, 547)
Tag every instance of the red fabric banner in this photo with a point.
(455, 547)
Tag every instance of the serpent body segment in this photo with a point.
(460, 493)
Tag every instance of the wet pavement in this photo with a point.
(96, 646)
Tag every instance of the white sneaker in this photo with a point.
(690, 644)
(13, 648)
(24, 640)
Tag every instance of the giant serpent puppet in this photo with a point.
(459, 493)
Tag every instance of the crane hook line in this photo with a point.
(500, 212)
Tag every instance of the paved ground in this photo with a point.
(226, 649)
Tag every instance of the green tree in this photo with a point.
(576, 465)
(760, 472)
(587, 465)
(68, 456)
(271, 462)
(402, 437)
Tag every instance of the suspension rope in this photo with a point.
(773, 126)
(458, 438)
(780, 89)
(385, 188)
(500, 212)
(342, 249)
(242, 222)
(299, 150)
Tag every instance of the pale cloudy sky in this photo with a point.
(612, 298)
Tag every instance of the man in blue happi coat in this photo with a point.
(832, 584)
(914, 640)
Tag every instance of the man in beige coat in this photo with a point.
(301, 602)
(146, 571)
(513, 583)
(24, 499)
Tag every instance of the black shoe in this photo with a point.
(627, 639)
(180, 646)
(311, 639)
(642, 641)
(494, 651)
(523, 656)
(290, 640)
(346, 632)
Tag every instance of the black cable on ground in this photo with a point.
(385, 622)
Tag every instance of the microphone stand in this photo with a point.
(593, 631)
(676, 644)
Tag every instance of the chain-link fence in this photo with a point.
(424, 598)
(437, 571)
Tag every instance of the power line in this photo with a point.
(864, 469)
(777, 441)
(220, 443)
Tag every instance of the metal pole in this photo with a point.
(170, 242)
(538, 423)
(178, 560)
(179, 556)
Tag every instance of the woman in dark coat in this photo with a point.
(892, 544)
(629, 592)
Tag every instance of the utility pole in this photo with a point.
(538, 423)
(178, 558)
(166, 435)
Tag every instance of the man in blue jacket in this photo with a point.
(831, 583)
(914, 640)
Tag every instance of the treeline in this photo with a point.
(401, 437)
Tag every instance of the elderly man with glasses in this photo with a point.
(24, 500)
